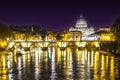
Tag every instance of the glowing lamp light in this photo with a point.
(97, 45)
(3, 44)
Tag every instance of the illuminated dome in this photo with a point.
(81, 22)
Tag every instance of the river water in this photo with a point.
(71, 64)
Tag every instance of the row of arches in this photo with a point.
(53, 44)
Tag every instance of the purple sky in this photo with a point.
(59, 15)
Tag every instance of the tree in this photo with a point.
(116, 32)
(43, 34)
(116, 29)
(5, 32)
(59, 37)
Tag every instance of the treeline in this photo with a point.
(5, 32)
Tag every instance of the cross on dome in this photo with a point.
(81, 16)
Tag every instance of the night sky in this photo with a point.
(59, 15)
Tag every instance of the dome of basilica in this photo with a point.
(81, 22)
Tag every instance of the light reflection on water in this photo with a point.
(71, 64)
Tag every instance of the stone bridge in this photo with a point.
(46, 44)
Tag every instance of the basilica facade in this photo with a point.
(81, 25)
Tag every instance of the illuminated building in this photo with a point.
(105, 34)
(81, 25)
(107, 29)
(75, 36)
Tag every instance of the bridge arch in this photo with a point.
(32, 45)
(53, 44)
(17, 45)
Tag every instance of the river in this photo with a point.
(70, 64)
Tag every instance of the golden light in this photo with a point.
(83, 57)
(3, 44)
(112, 74)
(92, 58)
(58, 55)
(11, 44)
(3, 77)
(107, 61)
(102, 62)
(96, 44)
(96, 59)
(107, 37)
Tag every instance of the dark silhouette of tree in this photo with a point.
(5, 32)
(43, 34)
(116, 28)
(116, 32)
(27, 31)
(36, 28)
(59, 37)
